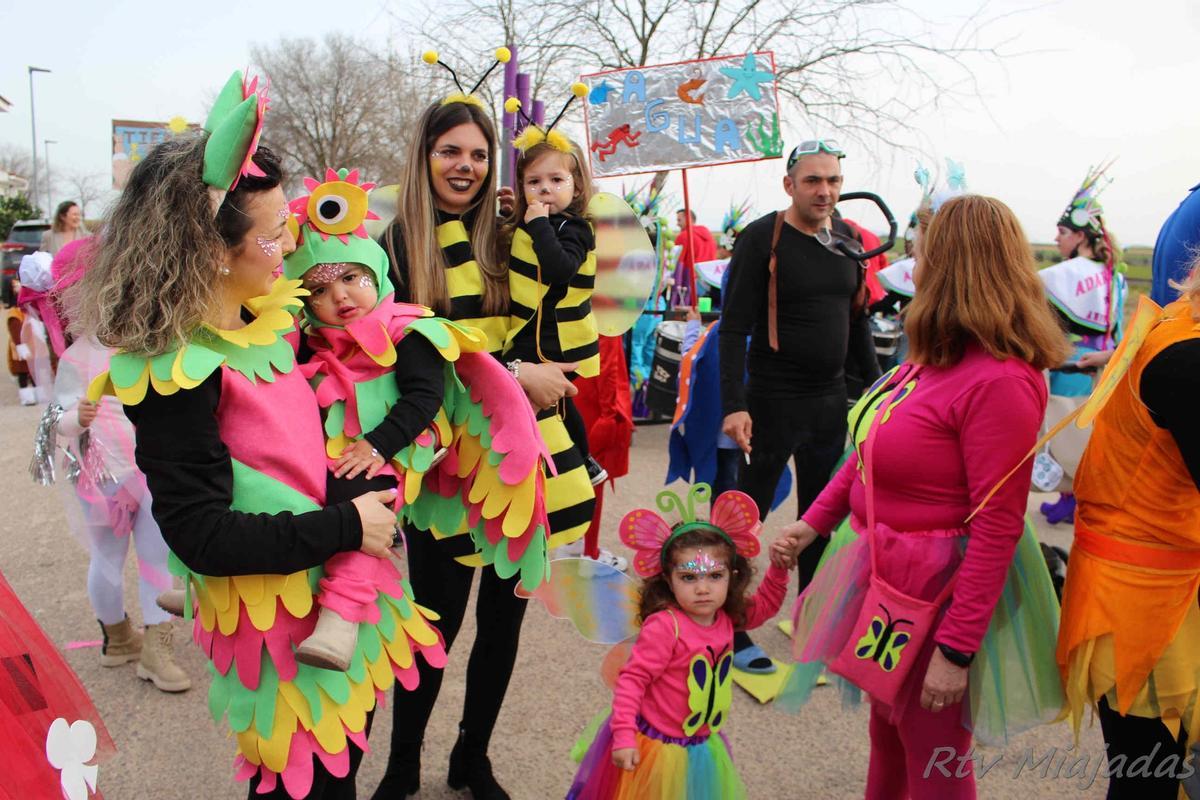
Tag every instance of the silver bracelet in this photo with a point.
(514, 367)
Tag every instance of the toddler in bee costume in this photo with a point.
(552, 261)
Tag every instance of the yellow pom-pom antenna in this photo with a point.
(503, 56)
(512, 105)
(578, 89)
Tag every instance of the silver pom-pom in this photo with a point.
(94, 465)
(45, 442)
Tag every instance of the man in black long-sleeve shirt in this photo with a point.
(794, 405)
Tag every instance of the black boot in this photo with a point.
(470, 767)
(403, 774)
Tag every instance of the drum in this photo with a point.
(663, 385)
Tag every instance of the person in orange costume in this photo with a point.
(1129, 641)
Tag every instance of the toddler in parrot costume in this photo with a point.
(410, 399)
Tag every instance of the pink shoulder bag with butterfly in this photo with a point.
(892, 627)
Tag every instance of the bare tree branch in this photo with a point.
(337, 103)
(862, 67)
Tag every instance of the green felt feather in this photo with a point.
(375, 397)
(228, 143)
(431, 510)
(433, 329)
(160, 365)
(335, 418)
(126, 368)
(229, 98)
(199, 361)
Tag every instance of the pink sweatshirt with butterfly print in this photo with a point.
(653, 684)
(941, 450)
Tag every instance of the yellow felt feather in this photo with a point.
(520, 510)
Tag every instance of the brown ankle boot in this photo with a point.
(331, 644)
(158, 660)
(122, 644)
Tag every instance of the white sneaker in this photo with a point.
(610, 559)
(28, 395)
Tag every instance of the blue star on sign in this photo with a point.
(747, 78)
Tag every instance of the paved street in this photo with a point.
(169, 747)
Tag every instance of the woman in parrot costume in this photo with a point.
(228, 434)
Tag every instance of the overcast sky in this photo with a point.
(1089, 80)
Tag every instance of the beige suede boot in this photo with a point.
(122, 644)
(331, 644)
(158, 660)
(173, 601)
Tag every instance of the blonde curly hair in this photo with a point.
(155, 279)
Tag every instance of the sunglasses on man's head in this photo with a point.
(813, 146)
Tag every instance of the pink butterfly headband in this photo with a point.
(733, 515)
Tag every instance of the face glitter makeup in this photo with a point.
(282, 213)
(270, 247)
(701, 564)
(366, 281)
(327, 273)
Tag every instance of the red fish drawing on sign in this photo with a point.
(615, 137)
(686, 89)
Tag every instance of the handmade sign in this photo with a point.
(686, 114)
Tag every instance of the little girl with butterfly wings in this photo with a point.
(671, 698)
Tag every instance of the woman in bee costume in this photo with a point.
(444, 253)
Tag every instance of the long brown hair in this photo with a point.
(417, 215)
(977, 281)
(656, 591)
(579, 173)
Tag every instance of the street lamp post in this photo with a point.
(33, 133)
(46, 144)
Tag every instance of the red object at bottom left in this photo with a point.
(50, 732)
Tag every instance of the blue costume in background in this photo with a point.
(1176, 248)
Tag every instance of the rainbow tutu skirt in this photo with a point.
(670, 768)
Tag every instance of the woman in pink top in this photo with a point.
(960, 414)
(662, 739)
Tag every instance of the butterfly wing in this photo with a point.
(737, 514)
(646, 532)
(890, 659)
(700, 684)
(867, 644)
(722, 691)
(601, 602)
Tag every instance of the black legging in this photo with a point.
(809, 430)
(1147, 748)
(444, 585)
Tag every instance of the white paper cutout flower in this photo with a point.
(68, 749)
